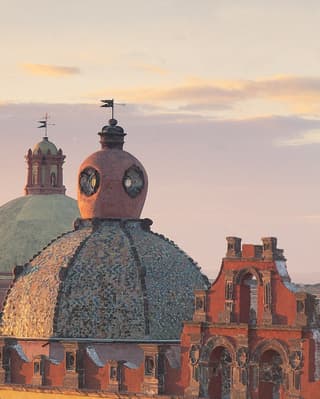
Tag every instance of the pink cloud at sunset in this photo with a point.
(299, 94)
(50, 70)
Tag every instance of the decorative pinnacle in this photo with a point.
(44, 124)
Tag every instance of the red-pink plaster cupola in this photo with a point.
(112, 183)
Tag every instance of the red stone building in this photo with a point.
(253, 333)
(114, 309)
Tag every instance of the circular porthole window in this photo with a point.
(89, 181)
(133, 181)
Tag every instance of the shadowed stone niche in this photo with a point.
(38, 371)
(114, 376)
(199, 305)
(150, 384)
(71, 378)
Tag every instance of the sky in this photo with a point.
(222, 106)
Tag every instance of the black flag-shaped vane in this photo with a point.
(107, 103)
(42, 124)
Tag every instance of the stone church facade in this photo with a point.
(253, 334)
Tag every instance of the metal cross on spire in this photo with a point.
(110, 104)
(44, 124)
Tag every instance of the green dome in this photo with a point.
(45, 145)
(29, 223)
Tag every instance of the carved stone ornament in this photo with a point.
(272, 371)
(199, 303)
(194, 354)
(296, 360)
(242, 357)
(225, 357)
(225, 367)
(205, 353)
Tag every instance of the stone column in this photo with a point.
(59, 174)
(29, 178)
(240, 373)
(267, 297)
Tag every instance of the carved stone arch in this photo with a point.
(269, 368)
(249, 270)
(214, 342)
(205, 370)
(273, 344)
(247, 281)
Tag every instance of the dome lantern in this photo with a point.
(112, 136)
(112, 183)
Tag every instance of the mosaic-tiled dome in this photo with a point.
(107, 279)
(112, 277)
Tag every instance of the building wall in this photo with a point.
(252, 331)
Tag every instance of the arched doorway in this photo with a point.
(220, 379)
(248, 299)
(270, 375)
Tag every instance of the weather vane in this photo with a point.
(44, 124)
(110, 104)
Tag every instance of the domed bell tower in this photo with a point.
(45, 167)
